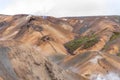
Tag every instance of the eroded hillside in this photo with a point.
(48, 48)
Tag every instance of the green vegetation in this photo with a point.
(115, 36)
(118, 54)
(83, 42)
(105, 47)
(90, 43)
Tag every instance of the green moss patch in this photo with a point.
(90, 43)
(118, 54)
(83, 42)
(115, 36)
(105, 47)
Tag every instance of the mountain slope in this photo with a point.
(68, 48)
(23, 62)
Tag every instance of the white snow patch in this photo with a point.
(81, 21)
(109, 76)
(28, 17)
(64, 19)
(95, 59)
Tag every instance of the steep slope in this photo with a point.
(38, 31)
(96, 40)
(94, 34)
(89, 63)
(23, 62)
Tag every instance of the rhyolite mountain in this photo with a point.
(67, 48)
